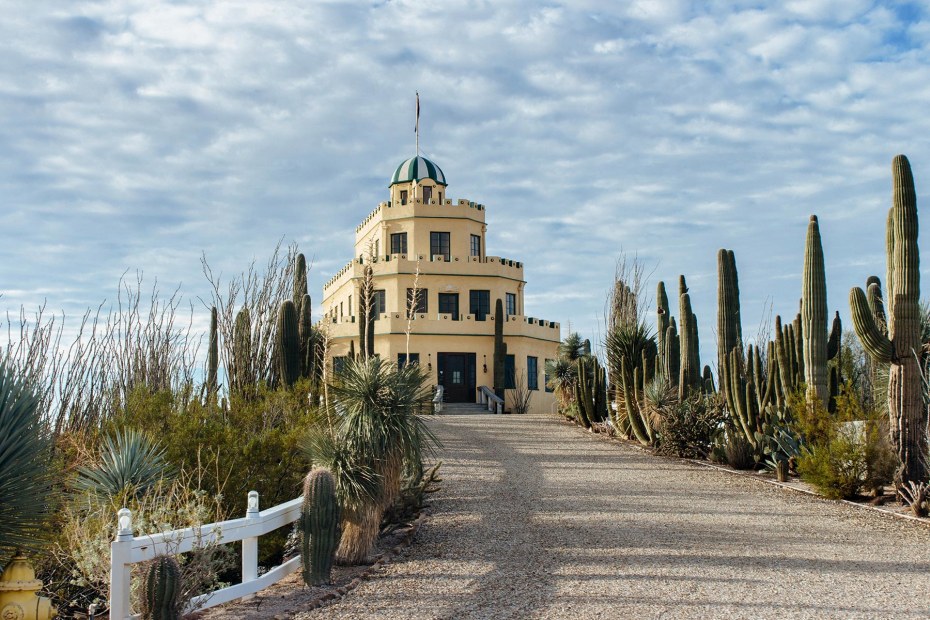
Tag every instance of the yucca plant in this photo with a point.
(130, 464)
(562, 376)
(25, 454)
(572, 347)
(381, 421)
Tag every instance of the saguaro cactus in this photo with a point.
(814, 317)
(300, 279)
(241, 375)
(213, 354)
(161, 589)
(729, 324)
(319, 519)
(900, 345)
(305, 337)
(500, 349)
(288, 344)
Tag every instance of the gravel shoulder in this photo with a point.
(538, 519)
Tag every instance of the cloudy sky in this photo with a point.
(136, 134)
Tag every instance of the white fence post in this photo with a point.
(120, 561)
(250, 545)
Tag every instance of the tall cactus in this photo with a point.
(899, 347)
(319, 520)
(591, 391)
(500, 349)
(241, 375)
(288, 344)
(729, 323)
(300, 279)
(662, 316)
(690, 357)
(305, 338)
(161, 589)
(213, 354)
(814, 317)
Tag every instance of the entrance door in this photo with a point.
(457, 376)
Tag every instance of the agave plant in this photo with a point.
(380, 419)
(917, 497)
(562, 376)
(25, 455)
(628, 344)
(130, 464)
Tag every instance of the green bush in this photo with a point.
(847, 453)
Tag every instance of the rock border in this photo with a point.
(380, 560)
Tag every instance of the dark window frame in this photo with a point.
(510, 372)
(422, 302)
(379, 302)
(443, 308)
(427, 194)
(511, 308)
(402, 359)
(476, 245)
(399, 243)
(532, 372)
(403, 196)
(439, 244)
(479, 305)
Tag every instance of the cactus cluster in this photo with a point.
(161, 589)
(319, 522)
(590, 390)
(891, 332)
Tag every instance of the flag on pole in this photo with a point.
(416, 127)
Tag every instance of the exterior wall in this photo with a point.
(432, 333)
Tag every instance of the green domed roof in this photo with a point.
(417, 168)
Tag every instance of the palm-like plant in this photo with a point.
(381, 421)
(130, 464)
(572, 347)
(627, 344)
(562, 375)
(25, 457)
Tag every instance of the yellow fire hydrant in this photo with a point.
(18, 587)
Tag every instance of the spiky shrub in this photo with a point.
(161, 589)
(737, 450)
(288, 347)
(382, 422)
(916, 496)
(25, 456)
(319, 518)
(899, 346)
(686, 428)
(130, 464)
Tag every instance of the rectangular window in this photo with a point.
(419, 305)
(510, 372)
(449, 304)
(378, 305)
(511, 304)
(399, 243)
(402, 359)
(479, 304)
(439, 244)
(532, 372)
(339, 363)
(427, 194)
(476, 245)
(403, 196)
(547, 377)
(377, 249)
(340, 309)
(350, 305)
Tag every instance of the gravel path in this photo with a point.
(538, 519)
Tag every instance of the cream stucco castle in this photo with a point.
(422, 239)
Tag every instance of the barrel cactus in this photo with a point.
(319, 519)
(898, 346)
(161, 589)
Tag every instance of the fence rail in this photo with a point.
(493, 402)
(128, 549)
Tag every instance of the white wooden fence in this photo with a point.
(128, 549)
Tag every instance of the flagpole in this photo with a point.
(417, 127)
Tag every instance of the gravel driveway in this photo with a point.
(538, 519)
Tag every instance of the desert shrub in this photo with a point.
(847, 453)
(130, 465)
(734, 449)
(687, 428)
(77, 570)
